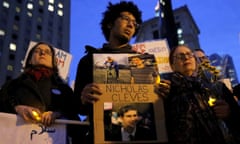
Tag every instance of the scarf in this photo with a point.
(39, 72)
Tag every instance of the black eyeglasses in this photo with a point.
(128, 19)
(184, 56)
(40, 51)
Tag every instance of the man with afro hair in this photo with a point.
(119, 24)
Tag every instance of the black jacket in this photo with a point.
(47, 94)
(189, 118)
(84, 76)
(142, 134)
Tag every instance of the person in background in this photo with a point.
(191, 116)
(200, 55)
(143, 69)
(39, 94)
(204, 68)
(110, 64)
(119, 24)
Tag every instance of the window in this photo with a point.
(14, 36)
(13, 46)
(60, 12)
(9, 67)
(2, 32)
(41, 2)
(11, 56)
(6, 4)
(30, 6)
(155, 34)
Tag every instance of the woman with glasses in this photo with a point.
(39, 94)
(39, 90)
(191, 117)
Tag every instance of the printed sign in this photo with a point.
(149, 107)
(14, 130)
(161, 51)
(127, 82)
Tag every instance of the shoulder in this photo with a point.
(15, 81)
(89, 51)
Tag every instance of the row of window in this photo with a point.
(30, 7)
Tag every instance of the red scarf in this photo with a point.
(40, 72)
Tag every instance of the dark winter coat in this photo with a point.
(47, 94)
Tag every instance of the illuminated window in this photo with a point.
(13, 46)
(162, 15)
(179, 31)
(6, 4)
(15, 27)
(51, 1)
(2, 32)
(50, 8)
(29, 14)
(30, 6)
(60, 5)
(181, 42)
(38, 36)
(41, 2)
(60, 12)
(9, 67)
(18, 9)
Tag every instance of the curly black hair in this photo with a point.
(113, 12)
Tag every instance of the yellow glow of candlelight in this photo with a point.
(36, 115)
(158, 79)
(211, 101)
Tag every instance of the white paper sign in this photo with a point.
(14, 130)
(161, 51)
(63, 60)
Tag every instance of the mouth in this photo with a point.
(42, 58)
(128, 32)
(187, 63)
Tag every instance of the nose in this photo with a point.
(130, 24)
(42, 52)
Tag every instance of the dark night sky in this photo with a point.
(218, 21)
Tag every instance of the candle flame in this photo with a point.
(211, 101)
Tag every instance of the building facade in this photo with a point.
(226, 66)
(187, 33)
(22, 21)
(187, 30)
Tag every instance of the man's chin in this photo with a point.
(124, 39)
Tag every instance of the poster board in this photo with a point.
(63, 59)
(121, 91)
(14, 130)
(161, 51)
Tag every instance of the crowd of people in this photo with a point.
(189, 117)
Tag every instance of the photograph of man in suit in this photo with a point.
(129, 128)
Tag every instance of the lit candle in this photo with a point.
(36, 115)
(211, 101)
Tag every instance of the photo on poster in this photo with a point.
(143, 69)
(127, 80)
(149, 114)
(125, 68)
(129, 122)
